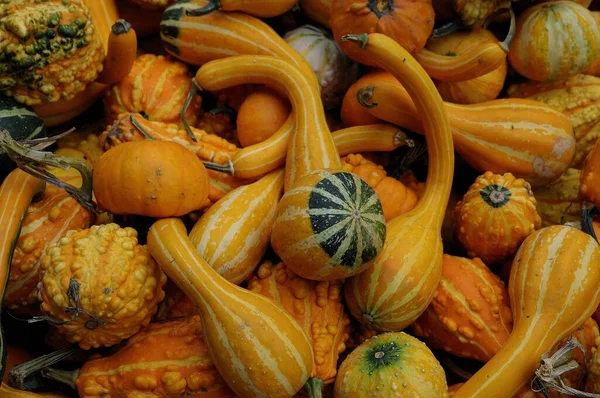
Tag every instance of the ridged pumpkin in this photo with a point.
(99, 285)
(554, 41)
(470, 314)
(157, 87)
(495, 215)
(316, 306)
(388, 365)
(559, 202)
(409, 23)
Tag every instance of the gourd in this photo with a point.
(153, 4)
(258, 8)
(474, 89)
(594, 68)
(157, 87)
(17, 191)
(554, 41)
(577, 98)
(257, 347)
(9, 392)
(474, 13)
(233, 235)
(317, 10)
(318, 309)
(408, 23)
(131, 179)
(470, 314)
(588, 185)
(334, 70)
(494, 217)
(388, 364)
(144, 20)
(396, 198)
(167, 359)
(400, 284)
(557, 264)
(93, 308)
(300, 239)
(495, 136)
(255, 124)
(559, 202)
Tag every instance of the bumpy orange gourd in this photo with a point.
(474, 13)
(470, 313)
(258, 348)
(495, 215)
(100, 285)
(316, 306)
(578, 98)
(396, 198)
(156, 86)
(558, 202)
(589, 188)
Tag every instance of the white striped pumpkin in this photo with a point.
(400, 284)
(554, 40)
(257, 347)
(554, 288)
(233, 235)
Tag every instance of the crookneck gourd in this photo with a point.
(318, 308)
(400, 284)
(470, 314)
(494, 217)
(554, 288)
(496, 136)
(98, 286)
(304, 235)
(256, 346)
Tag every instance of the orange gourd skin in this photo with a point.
(121, 53)
(474, 13)
(317, 10)
(494, 217)
(409, 23)
(166, 359)
(485, 87)
(395, 197)
(577, 98)
(233, 235)
(368, 138)
(589, 189)
(157, 86)
(398, 287)
(316, 306)
(261, 114)
(554, 41)
(352, 112)
(131, 179)
(145, 21)
(559, 202)
(554, 288)
(594, 68)
(258, 8)
(257, 347)
(153, 4)
(9, 392)
(470, 314)
(527, 138)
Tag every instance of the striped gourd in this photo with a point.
(258, 348)
(306, 239)
(233, 235)
(400, 284)
(554, 288)
(16, 193)
(554, 41)
(317, 10)
(527, 138)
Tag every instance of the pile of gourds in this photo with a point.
(246, 206)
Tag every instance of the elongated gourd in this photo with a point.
(524, 137)
(308, 241)
(554, 287)
(233, 235)
(400, 284)
(257, 347)
(121, 53)
(16, 193)
(258, 8)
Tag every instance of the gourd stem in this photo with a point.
(364, 97)
(314, 386)
(193, 91)
(448, 28)
(505, 44)
(401, 138)
(20, 374)
(138, 126)
(588, 212)
(120, 27)
(67, 377)
(225, 109)
(31, 161)
(213, 5)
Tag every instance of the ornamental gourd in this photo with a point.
(470, 314)
(474, 13)
(558, 202)
(409, 23)
(254, 124)
(398, 287)
(79, 291)
(594, 68)
(589, 189)
(554, 41)
(307, 240)
(494, 217)
(317, 10)
(258, 348)
(391, 364)
(9, 392)
(554, 288)
(481, 133)
(258, 8)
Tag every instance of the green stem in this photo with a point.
(67, 377)
(225, 109)
(364, 96)
(314, 386)
(588, 212)
(448, 28)
(213, 5)
(362, 39)
(120, 27)
(20, 375)
(193, 91)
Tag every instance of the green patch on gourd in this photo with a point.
(495, 195)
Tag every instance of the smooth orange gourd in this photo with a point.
(261, 114)
(589, 188)
(258, 8)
